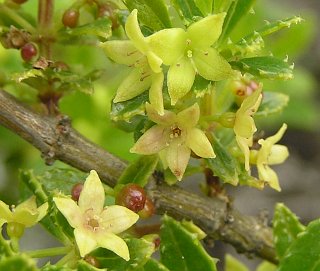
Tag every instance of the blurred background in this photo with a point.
(299, 175)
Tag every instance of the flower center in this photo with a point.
(93, 223)
(175, 132)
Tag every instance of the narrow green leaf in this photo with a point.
(84, 266)
(265, 67)
(236, 11)
(205, 6)
(187, 10)
(272, 102)
(100, 27)
(201, 86)
(304, 252)
(232, 264)
(152, 13)
(273, 27)
(224, 165)
(49, 267)
(286, 227)
(17, 262)
(129, 114)
(181, 250)
(266, 266)
(140, 170)
(153, 265)
(140, 252)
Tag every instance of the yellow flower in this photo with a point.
(190, 52)
(244, 126)
(25, 214)
(271, 154)
(147, 73)
(174, 136)
(95, 225)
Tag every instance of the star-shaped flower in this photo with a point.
(190, 52)
(174, 135)
(271, 154)
(26, 214)
(147, 73)
(244, 126)
(95, 225)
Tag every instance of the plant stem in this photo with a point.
(17, 18)
(5, 246)
(48, 252)
(45, 15)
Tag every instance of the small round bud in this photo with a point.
(148, 209)
(227, 119)
(70, 18)
(76, 191)
(29, 52)
(15, 230)
(132, 196)
(107, 9)
(157, 242)
(92, 260)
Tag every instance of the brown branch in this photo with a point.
(56, 140)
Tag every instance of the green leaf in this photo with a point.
(49, 267)
(181, 250)
(272, 102)
(140, 252)
(224, 165)
(273, 27)
(205, 6)
(201, 86)
(100, 27)
(17, 262)
(153, 265)
(129, 114)
(84, 266)
(266, 266)
(286, 227)
(264, 67)
(187, 10)
(152, 13)
(304, 252)
(140, 170)
(232, 264)
(236, 11)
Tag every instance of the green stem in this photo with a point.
(210, 118)
(48, 252)
(69, 258)
(15, 244)
(13, 15)
(5, 246)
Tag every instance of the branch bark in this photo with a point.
(57, 140)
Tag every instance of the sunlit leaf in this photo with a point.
(272, 102)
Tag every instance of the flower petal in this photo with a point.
(189, 117)
(25, 217)
(133, 85)
(70, 210)
(244, 144)
(154, 61)
(92, 195)
(155, 93)
(42, 209)
(198, 142)
(166, 119)
(178, 156)
(134, 32)
(268, 175)
(114, 243)
(278, 154)
(85, 241)
(29, 204)
(211, 65)
(168, 44)
(180, 79)
(117, 219)
(206, 32)
(121, 51)
(152, 141)
(5, 213)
